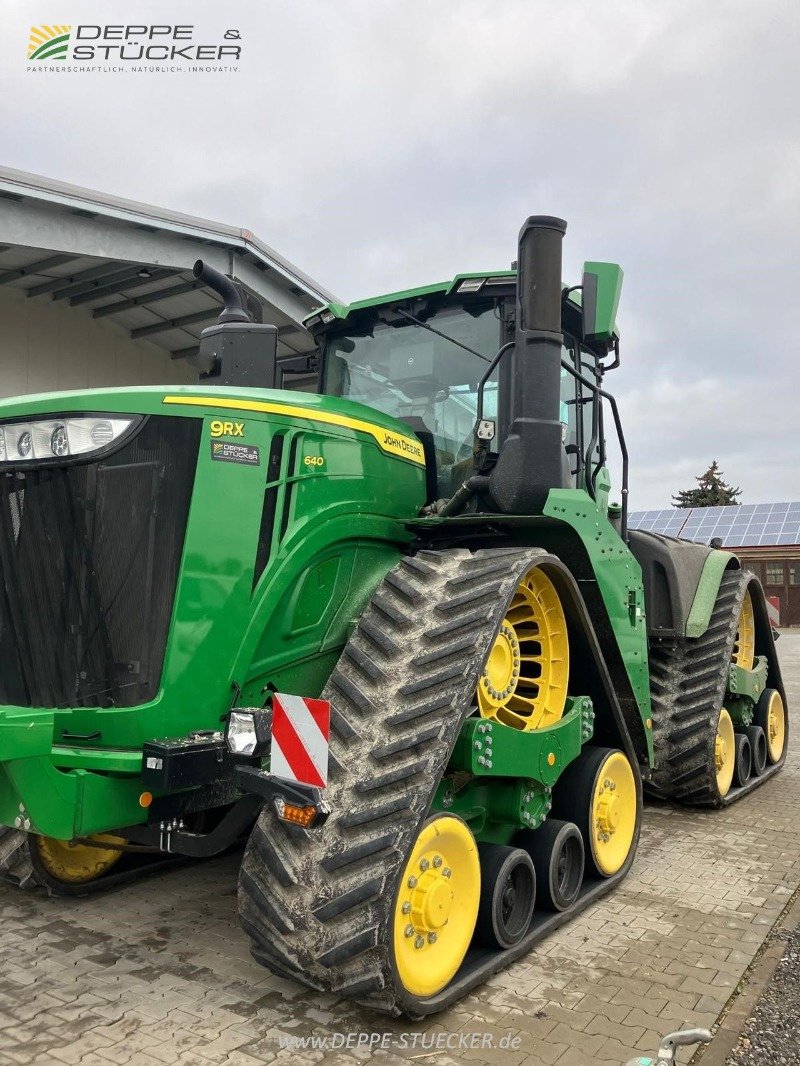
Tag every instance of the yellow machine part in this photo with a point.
(724, 752)
(744, 648)
(74, 863)
(524, 684)
(436, 906)
(614, 814)
(776, 727)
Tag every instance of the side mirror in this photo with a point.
(602, 284)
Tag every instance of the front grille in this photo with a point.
(89, 557)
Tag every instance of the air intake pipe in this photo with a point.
(532, 459)
(236, 351)
(234, 309)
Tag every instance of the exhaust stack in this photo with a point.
(532, 459)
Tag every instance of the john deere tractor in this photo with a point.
(427, 551)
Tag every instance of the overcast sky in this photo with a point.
(383, 144)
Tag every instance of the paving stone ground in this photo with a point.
(158, 972)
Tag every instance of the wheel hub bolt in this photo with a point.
(437, 861)
(432, 938)
(412, 882)
(423, 864)
(447, 872)
(409, 930)
(407, 907)
(419, 942)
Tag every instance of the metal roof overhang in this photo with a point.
(131, 264)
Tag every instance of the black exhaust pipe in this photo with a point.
(532, 459)
(234, 309)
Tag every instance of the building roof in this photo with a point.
(132, 263)
(751, 525)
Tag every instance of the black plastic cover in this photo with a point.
(185, 762)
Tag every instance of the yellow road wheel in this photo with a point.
(78, 864)
(771, 716)
(614, 813)
(524, 683)
(724, 753)
(597, 792)
(436, 906)
(744, 648)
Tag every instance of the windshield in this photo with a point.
(421, 378)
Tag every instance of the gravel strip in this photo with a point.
(771, 1036)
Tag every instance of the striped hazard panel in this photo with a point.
(300, 731)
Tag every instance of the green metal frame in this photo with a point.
(743, 690)
(511, 772)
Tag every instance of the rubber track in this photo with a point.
(15, 860)
(318, 906)
(688, 682)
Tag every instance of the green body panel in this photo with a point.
(706, 595)
(619, 579)
(339, 527)
(743, 690)
(609, 289)
(35, 795)
(512, 772)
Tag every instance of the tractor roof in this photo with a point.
(478, 282)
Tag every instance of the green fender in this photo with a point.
(706, 595)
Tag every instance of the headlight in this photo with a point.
(248, 733)
(59, 438)
(24, 444)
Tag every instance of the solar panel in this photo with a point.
(750, 525)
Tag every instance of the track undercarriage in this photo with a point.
(384, 906)
(719, 719)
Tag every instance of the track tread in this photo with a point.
(688, 681)
(16, 866)
(386, 766)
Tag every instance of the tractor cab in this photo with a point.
(441, 360)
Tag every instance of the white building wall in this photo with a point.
(47, 346)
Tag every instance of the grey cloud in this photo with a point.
(381, 144)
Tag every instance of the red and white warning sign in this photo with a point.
(774, 611)
(300, 732)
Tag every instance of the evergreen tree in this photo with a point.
(711, 491)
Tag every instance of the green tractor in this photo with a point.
(396, 631)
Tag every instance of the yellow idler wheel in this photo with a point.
(771, 716)
(724, 753)
(436, 906)
(744, 648)
(73, 863)
(524, 683)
